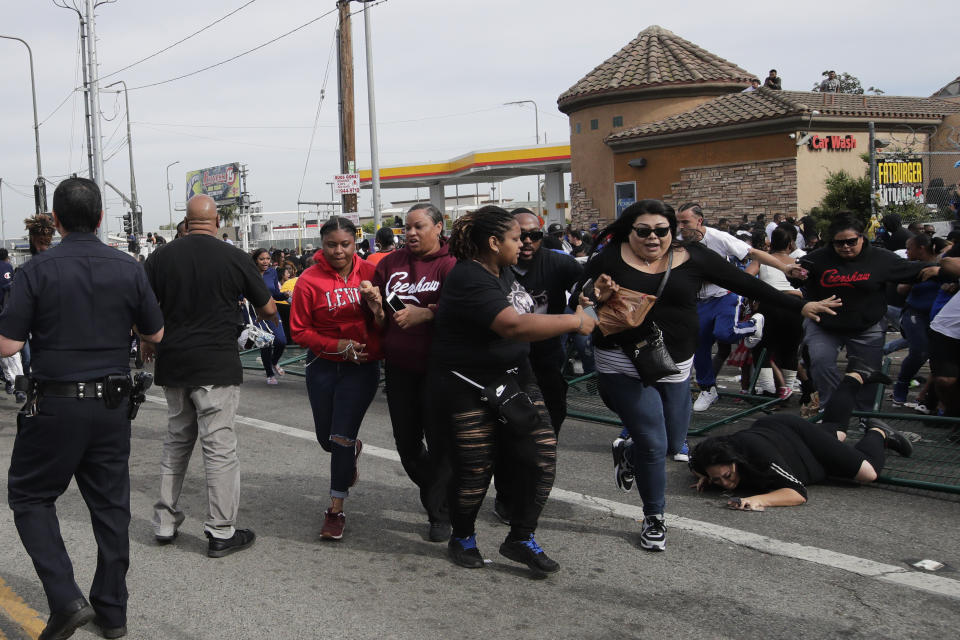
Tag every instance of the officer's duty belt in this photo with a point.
(94, 389)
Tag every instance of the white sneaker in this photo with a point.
(754, 339)
(577, 368)
(705, 399)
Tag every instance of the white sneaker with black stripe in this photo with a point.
(653, 534)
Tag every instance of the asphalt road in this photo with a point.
(838, 567)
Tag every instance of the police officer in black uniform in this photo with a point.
(78, 302)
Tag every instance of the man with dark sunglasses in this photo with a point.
(548, 276)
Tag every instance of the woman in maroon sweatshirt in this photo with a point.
(414, 275)
(336, 313)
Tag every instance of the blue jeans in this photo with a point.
(719, 321)
(270, 356)
(340, 394)
(657, 418)
(893, 323)
(914, 325)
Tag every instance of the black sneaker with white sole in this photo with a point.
(653, 534)
(622, 471)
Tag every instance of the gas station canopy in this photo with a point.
(475, 167)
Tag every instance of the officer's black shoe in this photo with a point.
(868, 373)
(242, 538)
(894, 440)
(63, 623)
(110, 632)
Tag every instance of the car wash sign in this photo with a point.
(899, 181)
(832, 143)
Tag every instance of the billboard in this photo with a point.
(900, 181)
(222, 183)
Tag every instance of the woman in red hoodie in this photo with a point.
(414, 275)
(336, 313)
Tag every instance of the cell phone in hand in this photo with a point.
(394, 302)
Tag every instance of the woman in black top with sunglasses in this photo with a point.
(849, 268)
(639, 247)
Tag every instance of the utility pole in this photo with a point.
(348, 150)
(93, 89)
(372, 109)
(136, 214)
(86, 80)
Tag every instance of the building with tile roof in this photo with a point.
(663, 118)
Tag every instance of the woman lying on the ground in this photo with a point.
(779, 455)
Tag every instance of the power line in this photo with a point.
(327, 126)
(181, 41)
(239, 55)
(316, 120)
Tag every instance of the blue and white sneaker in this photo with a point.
(684, 454)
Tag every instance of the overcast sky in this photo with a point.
(443, 71)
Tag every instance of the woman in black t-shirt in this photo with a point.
(483, 328)
(779, 455)
(638, 247)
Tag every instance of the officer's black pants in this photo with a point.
(82, 439)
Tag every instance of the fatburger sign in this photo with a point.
(832, 143)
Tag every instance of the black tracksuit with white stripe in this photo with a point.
(788, 452)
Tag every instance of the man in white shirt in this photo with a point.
(718, 308)
(777, 219)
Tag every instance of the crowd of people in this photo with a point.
(473, 329)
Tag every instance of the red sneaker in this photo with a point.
(333, 524)
(356, 462)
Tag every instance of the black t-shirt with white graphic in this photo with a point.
(548, 277)
(470, 300)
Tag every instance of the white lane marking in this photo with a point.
(861, 566)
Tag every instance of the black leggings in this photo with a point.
(782, 334)
(428, 466)
(476, 436)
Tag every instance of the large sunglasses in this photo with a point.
(644, 232)
(535, 236)
(846, 242)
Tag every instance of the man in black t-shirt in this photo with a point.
(547, 276)
(199, 282)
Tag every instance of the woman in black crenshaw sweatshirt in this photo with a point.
(857, 273)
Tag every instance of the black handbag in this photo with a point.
(511, 404)
(649, 354)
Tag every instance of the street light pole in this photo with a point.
(372, 107)
(169, 189)
(536, 126)
(3, 231)
(40, 191)
(136, 218)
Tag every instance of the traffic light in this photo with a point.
(127, 223)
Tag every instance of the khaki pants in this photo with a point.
(207, 413)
